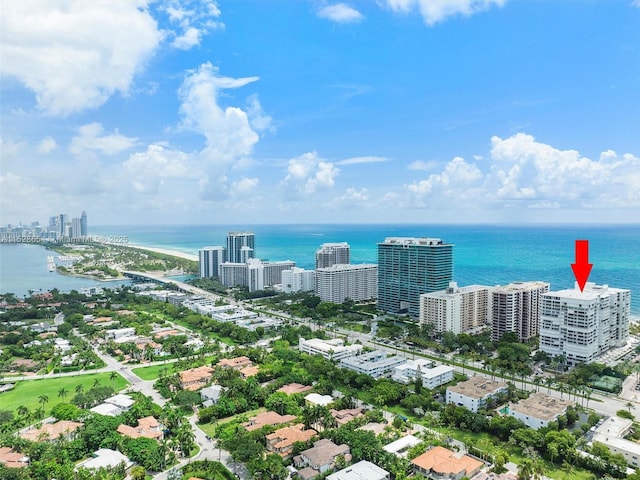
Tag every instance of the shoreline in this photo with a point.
(164, 251)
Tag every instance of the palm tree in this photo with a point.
(63, 392)
(43, 399)
(185, 438)
(537, 381)
(525, 469)
(549, 382)
(112, 377)
(79, 388)
(138, 473)
(96, 383)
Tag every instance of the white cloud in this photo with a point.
(74, 55)
(257, 118)
(366, 159)
(635, 3)
(350, 198)
(422, 165)
(90, 138)
(189, 39)
(526, 173)
(193, 19)
(340, 13)
(309, 173)
(147, 171)
(459, 182)
(47, 145)
(435, 11)
(243, 186)
(228, 132)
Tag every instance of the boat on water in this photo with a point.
(51, 264)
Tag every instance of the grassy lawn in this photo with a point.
(153, 372)
(210, 428)
(28, 392)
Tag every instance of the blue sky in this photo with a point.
(446, 111)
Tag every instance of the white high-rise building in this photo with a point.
(298, 280)
(235, 243)
(255, 274)
(456, 309)
(516, 308)
(333, 254)
(583, 325)
(76, 228)
(234, 274)
(337, 283)
(209, 260)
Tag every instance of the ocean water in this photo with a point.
(23, 268)
(489, 255)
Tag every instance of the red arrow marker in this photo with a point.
(582, 267)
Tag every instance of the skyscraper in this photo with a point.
(456, 309)
(516, 308)
(76, 228)
(409, 267)
(235, 242)
(209, 260)
(84, 227)
(338, 282)
(582, 325)
(332, 254)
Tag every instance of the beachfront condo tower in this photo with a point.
(240, 246)
(583, 325)
(209, 260)
(516, 308)
(409, 267)
(331, 254)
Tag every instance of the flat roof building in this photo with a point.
(333, 349)
(339, 282)
(376, 364)
(474, 393)
(539, 409)
(409, 267)
(582, 325)
(333, 254)
(516, 308)
(456, 309)
(399, 447)
(209, 261)
(363, 470)
(611, 434)
(431, 376)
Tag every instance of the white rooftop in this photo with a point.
(121, 400)
(318, 399)
(591, 292)
(402, 444)
(105, 458)
(362, 470)
(106, 409)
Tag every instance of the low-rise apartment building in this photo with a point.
(474, 393)
(539, 409)
(376, 364)
(333, 349)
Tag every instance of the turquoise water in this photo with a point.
(489, 255)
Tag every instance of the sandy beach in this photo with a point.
(165, 251)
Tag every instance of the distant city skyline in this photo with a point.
(396, 111)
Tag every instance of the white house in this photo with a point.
(538, 410)
(363, 470)
(474, 393)
(375, 364)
